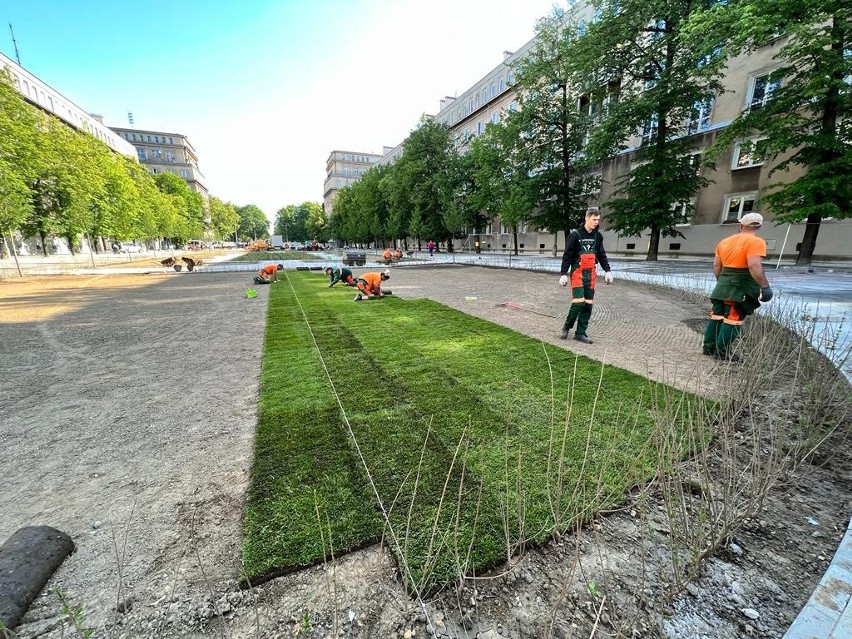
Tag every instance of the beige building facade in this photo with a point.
(342, 169)
(162, 152)
(736, 183)
(46, 98)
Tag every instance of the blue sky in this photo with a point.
(265, 89)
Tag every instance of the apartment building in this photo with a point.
(342, 169)
(166, 152)
(736, 182)
(46, 98)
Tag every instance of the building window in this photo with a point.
(184, 173)
(683, 212)
(581, 28)
(501, 86)
(479, 128)
(484, 95)
(592, 184)
(510, 77)
(513, 106)
(493, 89)
(700, 118)
(761, 88)
(649, 130)
(495, 117)
(141, 154)
(737, 205)
(748, 153)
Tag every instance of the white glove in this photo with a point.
(563, 281)
(608, 277)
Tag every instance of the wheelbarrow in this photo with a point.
(171, 262)
(191, 263)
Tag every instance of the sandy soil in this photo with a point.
(128, 407)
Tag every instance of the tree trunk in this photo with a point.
(653, 245)
(515, 237)
(43, 242)
(808, 246)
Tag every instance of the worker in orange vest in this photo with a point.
(268, 274)
(370, 285)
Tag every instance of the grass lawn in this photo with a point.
(261, 256)
(472, 439)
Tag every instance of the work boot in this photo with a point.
(582, 337)
(358, 298)
(563, 334)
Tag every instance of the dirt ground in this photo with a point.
(128, 407)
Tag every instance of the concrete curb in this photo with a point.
(828, 613)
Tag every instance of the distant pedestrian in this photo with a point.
(741, 286)
(430, 245)
(583, 249)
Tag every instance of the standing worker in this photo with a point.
(741, 286)
(583, 249)
(339, 274)
(370, 285)
(268, 274)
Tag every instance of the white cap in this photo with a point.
(386, 273)
(751, 219)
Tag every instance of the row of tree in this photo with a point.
(60, 181)
(649, 66)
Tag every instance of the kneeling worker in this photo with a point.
(370, 285)
(339, 274)
(268, 274)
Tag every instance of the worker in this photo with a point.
(583, 249)
(387, 255)
(397, 254)
(339, 274)
(741, 286)
(268, 274)
(370, 285)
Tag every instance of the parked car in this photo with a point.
(129, 247)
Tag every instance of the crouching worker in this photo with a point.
(268, 274)
(370, 285)
(339, 274)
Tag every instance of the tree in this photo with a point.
(500, 182)
(188, 204)
(423, 175)
(641, 74)
(316, 223)
(223, 217)
(805, 111)
(538, 152)
(20, 159)
(253, 222)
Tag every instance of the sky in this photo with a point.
(266, 89)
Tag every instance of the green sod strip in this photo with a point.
(302, 462)
(392, 435)
(526, 399)
(521, 474)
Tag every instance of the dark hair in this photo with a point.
(280, 267)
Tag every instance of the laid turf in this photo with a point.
(468, 439)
